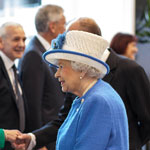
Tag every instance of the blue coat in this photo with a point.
(96, 121)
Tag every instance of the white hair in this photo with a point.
(90, 71)
(46, 14)
(3, 27)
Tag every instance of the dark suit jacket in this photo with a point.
(9, 112)
(42, 90)
(131, 82)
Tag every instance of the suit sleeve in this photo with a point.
(139, 95)
(32, 77)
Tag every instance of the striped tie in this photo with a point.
(19, 100)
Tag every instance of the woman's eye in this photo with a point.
(60, 66)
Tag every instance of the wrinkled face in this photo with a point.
(131, 50)
(13, 44)
(60, 26)
(69, 78)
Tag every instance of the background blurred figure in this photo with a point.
(42, 90)
(143, 56)
(8, 135)
(131, 83)
(124, 44)
(12, 45)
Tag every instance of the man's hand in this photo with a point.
(22, 142)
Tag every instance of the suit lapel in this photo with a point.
(38, 43)
(112, 62)
(2, 66)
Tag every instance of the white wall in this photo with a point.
(112, 15)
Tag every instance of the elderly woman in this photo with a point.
(97, 119)
(124, 44)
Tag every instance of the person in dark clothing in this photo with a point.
(125, 44)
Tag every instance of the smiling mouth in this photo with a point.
(21, 50)
(62, 83)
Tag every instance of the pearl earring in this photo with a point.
(80, 78)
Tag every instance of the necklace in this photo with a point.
(89, 86)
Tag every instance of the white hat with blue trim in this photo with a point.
(79, 46)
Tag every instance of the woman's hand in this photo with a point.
(11, 135)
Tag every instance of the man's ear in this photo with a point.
(52, 27)
(1, 43)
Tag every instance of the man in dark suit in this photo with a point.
(12, 110)
(42, 90)
(128, 79)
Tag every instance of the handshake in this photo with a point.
(18, 140)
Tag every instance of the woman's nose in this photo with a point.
(57, 73)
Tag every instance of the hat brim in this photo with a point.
(51, 56)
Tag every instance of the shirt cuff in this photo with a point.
(32, 142)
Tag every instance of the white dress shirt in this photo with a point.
(43, 42)
(8, 65)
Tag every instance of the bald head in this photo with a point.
(85, 24)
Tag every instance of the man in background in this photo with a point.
(12, 106)
(42, 90)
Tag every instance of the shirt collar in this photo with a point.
(43, 42)
(105, 55)
(7, 61)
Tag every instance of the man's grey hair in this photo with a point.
(3, 27)
(90, 71)
(46, 14)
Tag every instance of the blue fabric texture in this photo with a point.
(58, 42)
(96, 121)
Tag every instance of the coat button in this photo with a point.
(82, 100)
